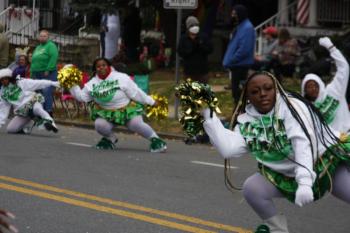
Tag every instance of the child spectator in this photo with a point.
(23, 68)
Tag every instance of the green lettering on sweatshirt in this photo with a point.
(266, 139)
(11, 93)
(328, 108)
(105, 90)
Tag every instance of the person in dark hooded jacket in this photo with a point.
(194, 48)
(239, 56)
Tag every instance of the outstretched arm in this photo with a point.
(33, 85)
(228, 143)
(81, 95)
(134, 92)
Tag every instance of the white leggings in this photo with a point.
(259, 192)
(18, 122)
(136, 124)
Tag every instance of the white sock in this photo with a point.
(154, 135)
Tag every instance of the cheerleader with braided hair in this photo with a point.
(299, 157)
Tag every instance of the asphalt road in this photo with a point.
(57, 183)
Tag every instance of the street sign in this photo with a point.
(180, 4)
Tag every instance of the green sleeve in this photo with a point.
(53, 53)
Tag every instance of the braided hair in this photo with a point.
(319, 125)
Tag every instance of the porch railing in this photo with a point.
(4, 18)
(25, 33)
(69, 35)
(330, 11)
(22, 28)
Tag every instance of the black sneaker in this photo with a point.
(21, 132)
(50, 126)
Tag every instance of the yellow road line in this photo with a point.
(128, 205)
(100, 208)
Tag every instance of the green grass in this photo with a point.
(166, 89)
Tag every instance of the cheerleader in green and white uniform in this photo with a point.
(330, 99)
(26, 103)
(299, 157)
(117, 101)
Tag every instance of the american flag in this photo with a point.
(303, 12)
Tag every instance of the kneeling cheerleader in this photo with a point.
(27, 104)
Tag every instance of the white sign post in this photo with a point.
(179, 5)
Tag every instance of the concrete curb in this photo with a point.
(120, 129)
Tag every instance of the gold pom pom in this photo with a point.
(194, 97)
(343, 137)
(160, 110)
(69, 77)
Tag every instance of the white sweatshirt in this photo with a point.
(333, 95)
(114, 92)
(20, 94)
(232, 144)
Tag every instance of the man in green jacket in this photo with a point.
(44, 66)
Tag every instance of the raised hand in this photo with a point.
(326, 42)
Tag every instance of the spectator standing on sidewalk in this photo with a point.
(194, 49)
(112, 34)
(4, 48)
(285, 55)
(239, 56)
(44, 66)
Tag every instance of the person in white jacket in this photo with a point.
(116, 101)
(26, 103)
(330, 99)
(283, 133)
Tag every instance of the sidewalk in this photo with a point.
(118, 129)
